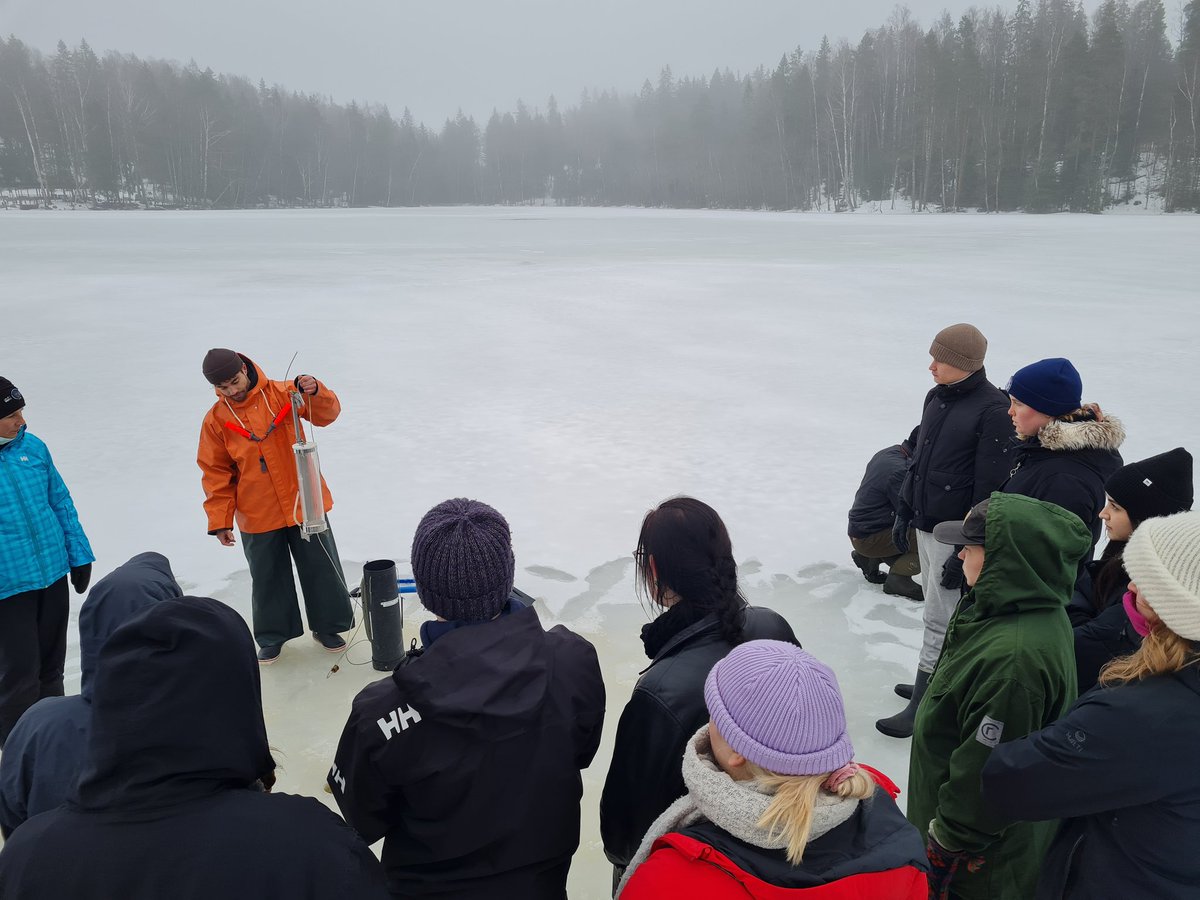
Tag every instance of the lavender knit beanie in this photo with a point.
(779, 707)
(462, 561)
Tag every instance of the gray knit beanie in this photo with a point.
(462, 561)
(962, 346)
(780, 707)
(1163, 560)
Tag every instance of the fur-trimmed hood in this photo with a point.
(1105, 433)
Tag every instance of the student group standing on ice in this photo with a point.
(1053, 714)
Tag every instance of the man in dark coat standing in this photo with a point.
(172, 801)
(960, 457)
(466, 759)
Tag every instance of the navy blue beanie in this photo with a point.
(1051, 386)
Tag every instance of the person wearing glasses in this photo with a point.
(249, 476)
(685, 567)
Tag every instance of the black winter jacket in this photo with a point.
(1068, 464)
(878, 495)
(466, 760)
(961, 453)
(169, 802)
(667, 707)
(46, 750)
(1104, 638)
(1120, 766)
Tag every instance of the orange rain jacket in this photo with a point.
(256, 480)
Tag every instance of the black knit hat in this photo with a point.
(462, 561)
(220, 365)
(10, 398)
(1158, 486)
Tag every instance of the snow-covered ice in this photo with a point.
(572, 367)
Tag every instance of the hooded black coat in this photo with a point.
(45, 751)
(169, 803)
(667, 706)
(1120, 767)
(466, 760)
(1067, 463)
(961, 451)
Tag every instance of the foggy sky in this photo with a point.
(437, 56)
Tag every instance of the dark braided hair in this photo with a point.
(693, 558)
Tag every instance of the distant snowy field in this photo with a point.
(573, 367)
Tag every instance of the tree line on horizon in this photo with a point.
(1037, 109)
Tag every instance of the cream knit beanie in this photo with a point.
(1163, 560)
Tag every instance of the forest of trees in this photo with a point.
(1038, 108)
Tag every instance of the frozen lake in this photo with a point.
(573, 367)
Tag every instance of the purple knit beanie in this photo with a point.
(462, 561)
(779, 707)
(1051, 386)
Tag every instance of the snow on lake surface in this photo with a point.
(573, 367)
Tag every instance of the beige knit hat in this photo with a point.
(1163, 560)
(962, 346)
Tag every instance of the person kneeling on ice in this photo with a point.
(46, 751)
(466, 759)
(775, 806)
(174, 797)
(1007, 668)
(872, 518)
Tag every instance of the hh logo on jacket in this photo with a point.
(398, 720)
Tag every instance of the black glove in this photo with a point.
(952, 572)
(943, 864)
(900, 526)
(80, 576)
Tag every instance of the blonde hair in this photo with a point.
(790, 812)
(1162, 652)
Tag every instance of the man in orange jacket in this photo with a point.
(249, 475)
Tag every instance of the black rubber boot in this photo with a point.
(869, 567)
(904, 690)
(903, 586)
(901, 724)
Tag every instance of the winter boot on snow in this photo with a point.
(901, 724)
(869, 567)
(903, 586)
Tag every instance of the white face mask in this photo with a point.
(4, 440)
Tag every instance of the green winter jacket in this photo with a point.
(1007, 669)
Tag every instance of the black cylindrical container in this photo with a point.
(385, 616)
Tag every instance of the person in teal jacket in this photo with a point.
(41, 543)
(1007, 669)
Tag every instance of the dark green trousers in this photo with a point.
(273, 593)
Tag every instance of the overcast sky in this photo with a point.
(439, 55)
